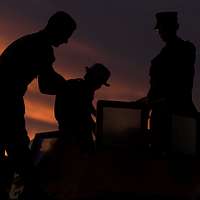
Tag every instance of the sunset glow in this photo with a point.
(115, 38)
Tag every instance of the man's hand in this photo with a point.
(50, 82)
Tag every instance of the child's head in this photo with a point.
(97, 75)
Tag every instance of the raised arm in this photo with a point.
(50, 82)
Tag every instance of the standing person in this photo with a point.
(171, 78)
(172, 70)
(74, 108)
(25, 59)
(69, 160)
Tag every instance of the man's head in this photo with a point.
(97, 75)
(59, 28)
(167, 25)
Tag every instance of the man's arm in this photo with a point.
(50, 82)
(188, 65)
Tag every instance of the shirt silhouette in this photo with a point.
(171, 81)
(74, 108)
(172, 70)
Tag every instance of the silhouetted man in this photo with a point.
(25, 59)
(74, 108)
(171, 78)
(171, 83)
(172, 70)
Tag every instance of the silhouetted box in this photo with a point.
(118, 124)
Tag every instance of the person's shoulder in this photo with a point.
(70, 89)
(21, 41)
(26, 39)
(73, 84)
(189, 45)
(37, 39)
(33, 41)
(21, 44)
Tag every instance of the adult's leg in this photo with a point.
(18, 148)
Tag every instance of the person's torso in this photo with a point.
(74, 102)
(24, 59)
(172, 71)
